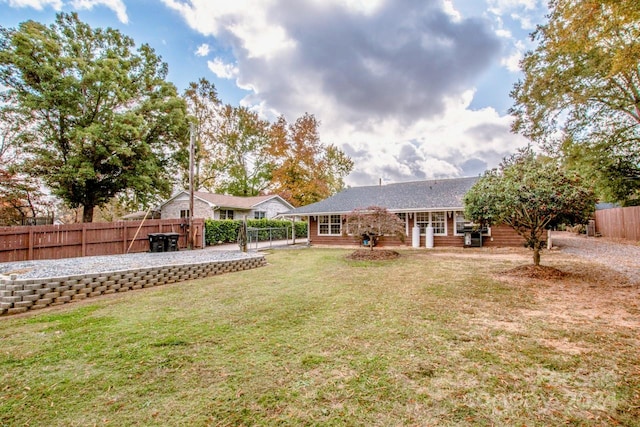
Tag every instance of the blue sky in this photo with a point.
(410, 89)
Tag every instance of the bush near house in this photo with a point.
(226, 231)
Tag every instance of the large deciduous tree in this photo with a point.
(306, 170)
(373, 222)
(101, 118)
(242, 162)
(582, 84)
(204, 106)
(531, 194)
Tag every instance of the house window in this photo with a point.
(439, 223)
(438, 220)
(184, 213)
(329, 225)
(422, 221)
(226, 214)
(460, 222)
(259, 215)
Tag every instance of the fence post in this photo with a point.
(124, 237)
(30, 245)
(84, 239)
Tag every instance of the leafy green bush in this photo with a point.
(220, 231)
(226, 231)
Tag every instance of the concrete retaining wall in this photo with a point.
(20, 295)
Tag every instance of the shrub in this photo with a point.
(220, 231)
(226, 231)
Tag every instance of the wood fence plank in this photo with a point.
(73, 240)
(620, 223)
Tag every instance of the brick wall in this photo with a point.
(20, 295)
(501, 236)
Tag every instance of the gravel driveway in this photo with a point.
(624, 258)
(108, 263)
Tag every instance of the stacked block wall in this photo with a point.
(20, 295)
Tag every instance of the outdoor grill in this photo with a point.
(473, 236)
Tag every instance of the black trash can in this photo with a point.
(157, 242)
(171, 242)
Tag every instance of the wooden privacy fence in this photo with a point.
(89, 239)
(621, 223)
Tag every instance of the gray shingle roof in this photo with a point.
(405, 196)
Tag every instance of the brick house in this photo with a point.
(219, 206)
(437, 204)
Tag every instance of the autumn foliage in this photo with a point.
(373, 222)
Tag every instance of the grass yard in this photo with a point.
(431, 338)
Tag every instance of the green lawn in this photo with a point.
(432, 338)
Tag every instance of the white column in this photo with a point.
(415, 237)
(429, 239)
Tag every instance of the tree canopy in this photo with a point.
(305, 170)
(581, 87)
(99, 118)
(373, 222)
(243, 162)
(242, 154)
(531, 194)
(204, 106)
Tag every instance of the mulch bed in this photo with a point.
(536, 272)
(373, 255)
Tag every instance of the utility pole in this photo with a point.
(191, 243)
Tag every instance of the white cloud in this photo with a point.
(246, 22)
(526, 12)
(203, 50)
(460, 142)
(390, 81)
(116, 5)
(222, 69)
(365, 7)
(501, 7)
(449, 8)
(512, 62)
(37, 4)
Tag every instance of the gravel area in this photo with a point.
(109, 263)
(621, 257)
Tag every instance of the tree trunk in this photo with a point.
(87, 213)
(536, 257)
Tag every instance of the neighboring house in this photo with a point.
(435, 203)
(219, 206)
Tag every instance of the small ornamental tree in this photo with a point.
(373, 222)
(531, 194)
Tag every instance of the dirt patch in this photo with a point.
(373, 255)
(578, 293)
(541, 272)
(20, 271)
(589, 274)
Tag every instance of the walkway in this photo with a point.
(252, 247)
